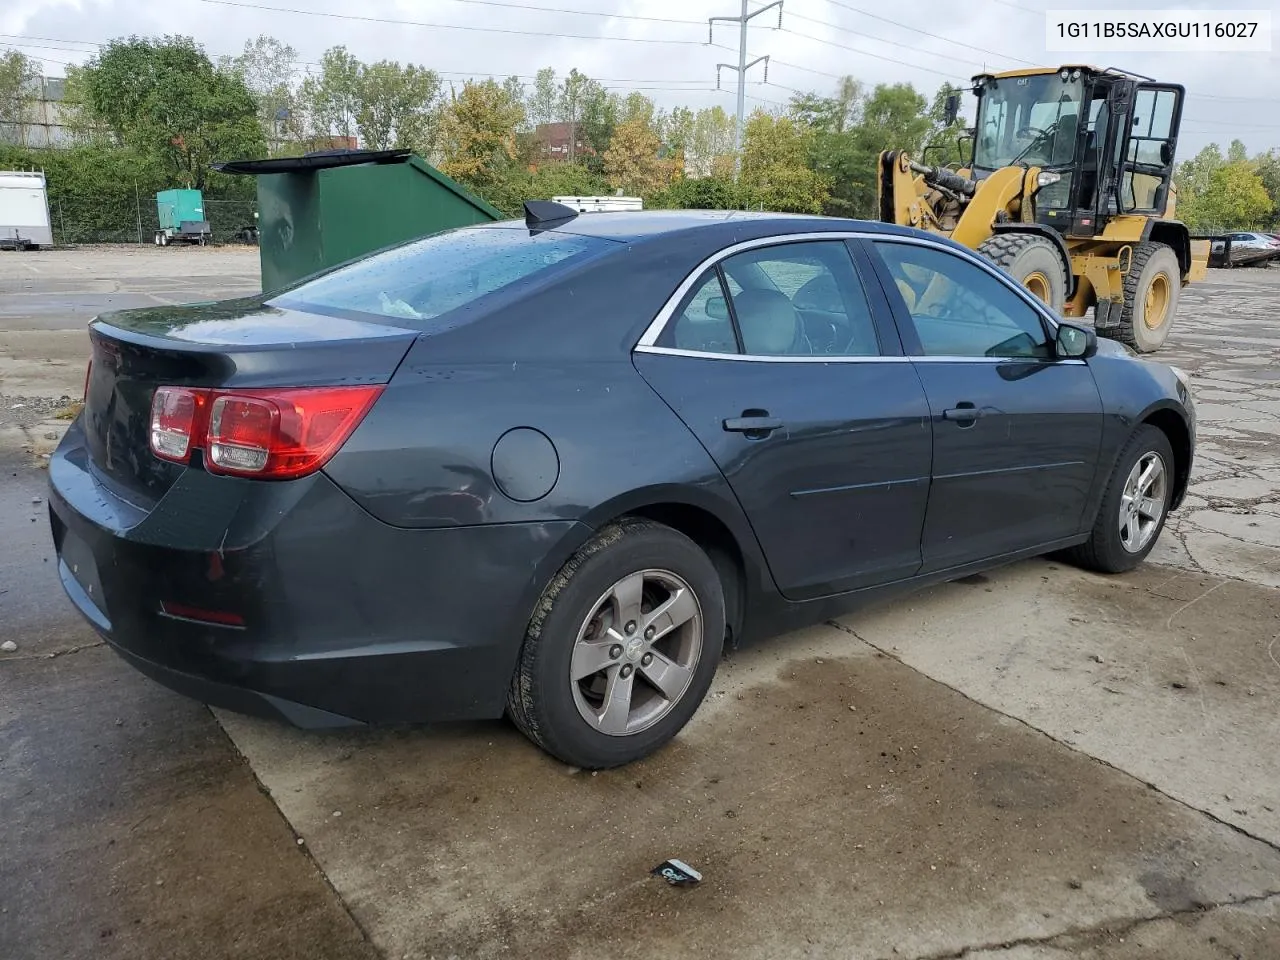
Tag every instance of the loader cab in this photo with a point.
(1104, 140)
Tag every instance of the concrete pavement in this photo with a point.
(1032, 764)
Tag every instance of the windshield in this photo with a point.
(419, 281)
(1028, 120)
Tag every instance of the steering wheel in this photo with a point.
(1028, 131)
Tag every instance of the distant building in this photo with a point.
(336, 143)
(43, 122)
(554, 140)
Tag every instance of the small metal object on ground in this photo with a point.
(677, 873)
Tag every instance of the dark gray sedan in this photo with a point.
(552, 467)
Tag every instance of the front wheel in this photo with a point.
(622, 647)
(1033, 261)
(1134, 506)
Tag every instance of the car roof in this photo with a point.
(636, 226)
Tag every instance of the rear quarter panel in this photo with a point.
(557, 361)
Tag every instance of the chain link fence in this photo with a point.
(231, 221)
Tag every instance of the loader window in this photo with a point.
(1148, 157)
(1028, 120)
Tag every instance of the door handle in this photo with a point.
(753, 426)
(964, 414)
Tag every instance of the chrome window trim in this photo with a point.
(754, 358)
(648, 340)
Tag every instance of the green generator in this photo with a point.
(181, 217)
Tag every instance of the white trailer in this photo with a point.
(24, 211)
(601, 204)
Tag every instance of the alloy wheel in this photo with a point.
(1142, 501)
(636, 652)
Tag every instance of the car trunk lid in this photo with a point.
(230, 344)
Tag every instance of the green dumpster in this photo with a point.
(322, 209)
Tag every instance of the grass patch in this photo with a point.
(70, 411)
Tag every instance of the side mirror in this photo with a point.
(951, 109)
(717, 309)
(1075, 343)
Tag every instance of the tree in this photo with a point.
(478, 134)
(572, 95)
(396, 106)
(1237, 198)
(943, 141)
(1268, 168)
(514, 89)
(632, 162)
(702, 193)
(164, 98)
(1194, 180)
(711, 138)
(895, 117)
(1237, 152)
(544, 102)
(637, 106)
(835, 114)
(1216, 193)
(267, 68)
(600, 110)
(17, 75)
(331, 100)
(775, 166)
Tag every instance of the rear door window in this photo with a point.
(417, 282)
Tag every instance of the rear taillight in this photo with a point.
(88, 372)
(272, 434)
(176, 422)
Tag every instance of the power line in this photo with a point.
(695, 84)
(876, 39)
(926, 33)
(449, 26)
(874, 56)
(1014, 6)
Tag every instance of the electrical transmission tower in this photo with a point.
(742, 66)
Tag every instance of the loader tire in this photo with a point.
(1031, 260)
(1151, 291)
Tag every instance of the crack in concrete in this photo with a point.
(56, 653)
(1063, 743)
(1120, 927)
(1228, 536)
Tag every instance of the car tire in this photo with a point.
(586, 617)
(1108, 550)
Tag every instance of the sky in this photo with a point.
(660, 46)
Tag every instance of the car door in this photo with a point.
(1016, 431)
(785, 364)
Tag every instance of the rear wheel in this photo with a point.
(1151, 291)
(1134, 506)
(622, 647)
(1031, 260)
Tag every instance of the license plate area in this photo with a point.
(84, 568)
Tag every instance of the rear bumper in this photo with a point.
(344, 618)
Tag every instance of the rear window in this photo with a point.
(419, 281)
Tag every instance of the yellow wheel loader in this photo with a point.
(1070, 190)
